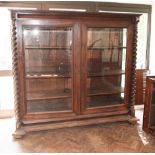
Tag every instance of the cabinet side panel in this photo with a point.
(15, 72)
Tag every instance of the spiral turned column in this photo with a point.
(133, 76)
(18, 133)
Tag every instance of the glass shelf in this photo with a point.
(54, 71)
(105, 91)
(53, 48)
(106, 73)
(101, 101)
(46, 76)
(106, 48)
(46, 95)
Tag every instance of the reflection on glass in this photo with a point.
(48, 37)
(106, 61)
(108, 100)
(44, 62)
(48, 68)
(49, 105)
(105, 85)
(48, 88)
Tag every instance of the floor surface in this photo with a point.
(110, 137)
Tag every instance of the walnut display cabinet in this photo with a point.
(149, 106)
(73, 68)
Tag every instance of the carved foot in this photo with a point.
(19, 133)
(133, 120)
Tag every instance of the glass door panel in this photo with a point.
(48, 69)
(106, 61)
(105, 100)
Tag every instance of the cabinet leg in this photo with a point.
(19, 133)
(133, 120)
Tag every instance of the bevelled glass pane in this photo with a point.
(104, 85)
(48, 88)
(52, 105)
(106, 64)
(48, 68)
(106, 100)
(37, 37)
(45, 62)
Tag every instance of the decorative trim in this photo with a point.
(15, 72)
(133, 74)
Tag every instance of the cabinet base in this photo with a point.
(133, 120)
(19, 133)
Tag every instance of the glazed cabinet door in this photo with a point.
(105, 66)
(47, 55)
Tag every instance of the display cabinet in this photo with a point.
(149, 106)
(73, 69)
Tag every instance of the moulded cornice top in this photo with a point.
(41, 13)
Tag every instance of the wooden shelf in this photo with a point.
(53, 48)
(47, 76)
(47, 95)
(105, 48)
(105, 91)
(48, 70)
(107, 73)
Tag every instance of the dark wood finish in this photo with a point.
(140, 86)
(85, 5)
(149, 105)
(16, 72)
(50, 81)
(74, 123)
(89, 7)
(133, 64)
